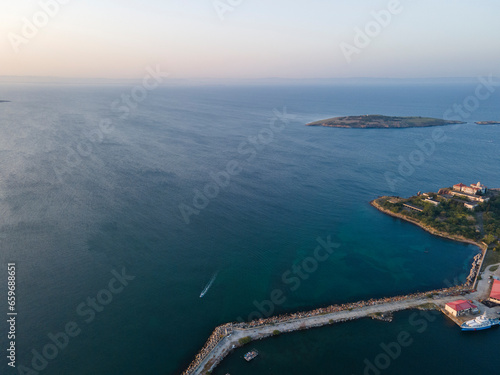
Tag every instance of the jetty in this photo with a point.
(227, 337)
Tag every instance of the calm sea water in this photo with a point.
(87, 189)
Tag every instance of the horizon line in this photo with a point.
(229, 80)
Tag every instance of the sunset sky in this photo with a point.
(252, 39)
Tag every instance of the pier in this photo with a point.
(226, 337)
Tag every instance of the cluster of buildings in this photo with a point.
(473, 189)
(474, 192)
(464, 307)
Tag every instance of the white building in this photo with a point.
(460, 307)
(481, 188)
(432, 201)
(471, 205)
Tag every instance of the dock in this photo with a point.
(225, 338)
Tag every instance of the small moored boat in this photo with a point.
(251, 355)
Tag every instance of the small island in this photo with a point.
(487, 122)
(380, 121)
(4, 101)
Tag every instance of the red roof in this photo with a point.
(495, 289)
(460, 305)
(460, 185)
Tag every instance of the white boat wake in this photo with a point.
(207, 287)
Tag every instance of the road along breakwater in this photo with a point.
(227, 337)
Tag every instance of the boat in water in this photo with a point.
(207, 287)
(251, 355)
(480, 323)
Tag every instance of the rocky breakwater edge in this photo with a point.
(227, 337)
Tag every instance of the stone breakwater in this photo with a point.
(217, 335)
(474, 271)
(261, 328)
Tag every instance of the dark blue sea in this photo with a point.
(117, 216)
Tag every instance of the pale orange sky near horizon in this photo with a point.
(255, 39)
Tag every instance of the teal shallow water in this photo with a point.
(119, 207)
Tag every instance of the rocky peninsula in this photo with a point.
(381, 122)
(463, 213)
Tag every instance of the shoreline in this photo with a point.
(382, 127)
(428, 229)
(476, 267)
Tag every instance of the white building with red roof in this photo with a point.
(495, 291)
(473, 189)
(458, 187)
(460, 307)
